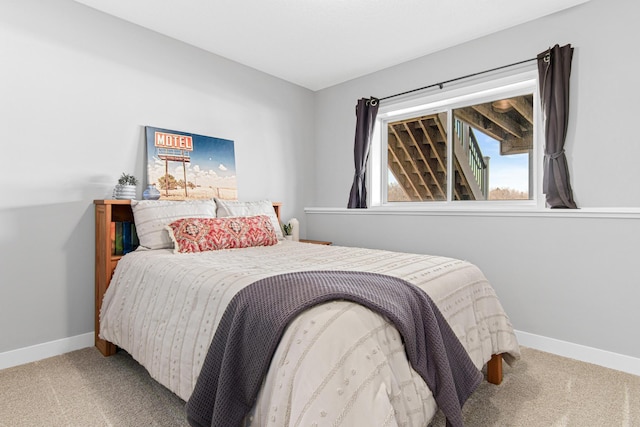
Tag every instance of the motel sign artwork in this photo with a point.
(173, 148)
(184, 165)
(172, 141)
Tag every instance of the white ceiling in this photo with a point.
(320, 43)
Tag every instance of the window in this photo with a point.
(474, 144)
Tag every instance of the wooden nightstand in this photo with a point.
(316, 242)
(106, 212)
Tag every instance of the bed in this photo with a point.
(338, 363)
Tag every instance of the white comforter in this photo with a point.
(337, 364)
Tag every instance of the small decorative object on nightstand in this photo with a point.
(126, 188)
(291, 230)
(295, 229)
(151, 193)
(316, 242)
(286, 230)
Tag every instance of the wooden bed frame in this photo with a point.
(107, 211)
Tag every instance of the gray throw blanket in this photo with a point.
(257, 316)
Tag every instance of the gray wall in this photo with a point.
(571, 278)
(77, 88)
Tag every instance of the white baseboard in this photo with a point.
(583, 353)
(45, 350)
(608, 359)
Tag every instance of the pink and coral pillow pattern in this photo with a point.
(210, 234)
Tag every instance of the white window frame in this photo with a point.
(447, 100)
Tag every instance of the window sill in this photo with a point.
(622, 213)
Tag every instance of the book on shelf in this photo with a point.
(124, 238)
(113, 238)
(118, 238)
(134, 236)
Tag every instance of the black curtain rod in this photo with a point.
(457, 78)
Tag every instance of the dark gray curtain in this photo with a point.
(366, 112)
(554, 70)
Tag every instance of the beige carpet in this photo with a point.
(82, 388)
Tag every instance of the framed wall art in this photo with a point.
(185, 166)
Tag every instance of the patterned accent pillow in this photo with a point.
(209, 234)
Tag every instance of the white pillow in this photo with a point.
(260, 207)
(151, 217)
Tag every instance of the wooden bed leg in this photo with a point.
(494, 369)
(105, 347)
